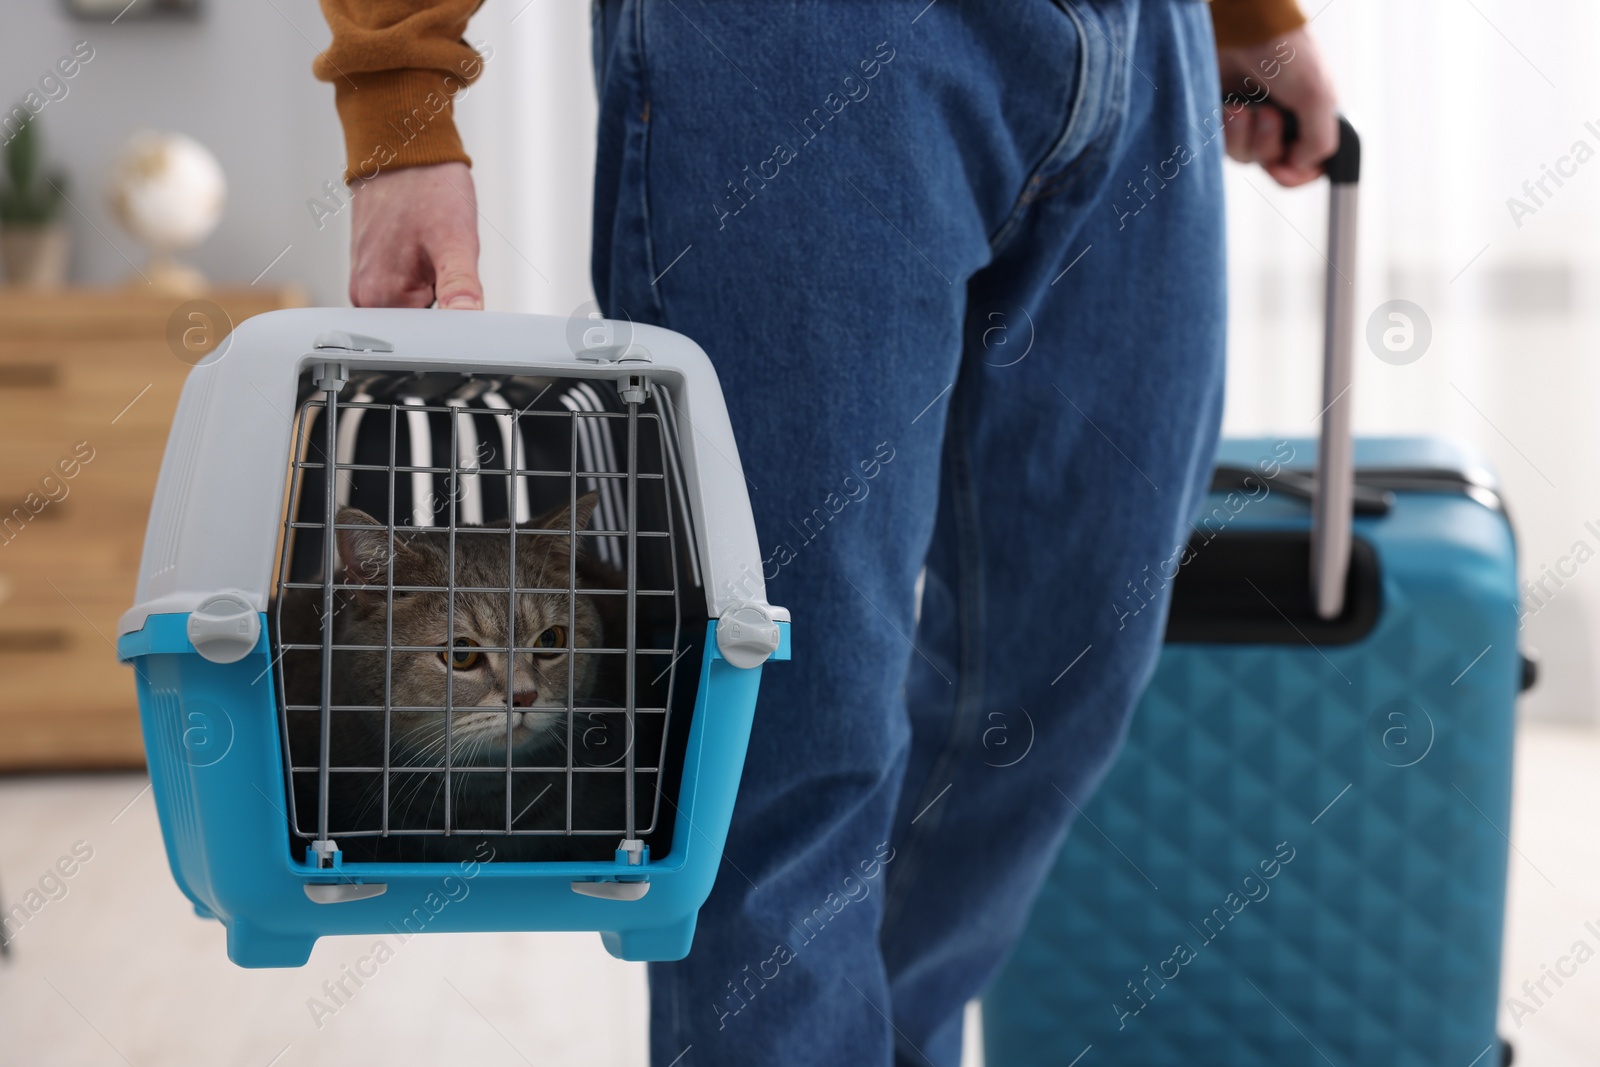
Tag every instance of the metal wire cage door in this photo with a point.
(484, 642)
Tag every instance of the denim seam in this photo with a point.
(1093, 154)
(1075, 109)
(597, 37)
(1116, 102)
(652, 291)
(969, 681)
(1116, 114)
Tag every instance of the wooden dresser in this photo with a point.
(89, 380)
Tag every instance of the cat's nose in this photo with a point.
(524, 698)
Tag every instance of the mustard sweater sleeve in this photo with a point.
(396, 67)
(1242, 22)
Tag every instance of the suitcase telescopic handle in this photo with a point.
(1333, 499)
(1332, 506)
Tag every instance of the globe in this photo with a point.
(167, 190)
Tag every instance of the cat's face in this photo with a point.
(486, 687)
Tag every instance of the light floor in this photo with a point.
(119, 971)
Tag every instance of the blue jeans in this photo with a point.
(960, 269)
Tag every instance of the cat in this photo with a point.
(534, 721)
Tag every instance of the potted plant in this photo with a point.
(33, 242)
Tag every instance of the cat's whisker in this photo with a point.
(416, 794)
(368, 800)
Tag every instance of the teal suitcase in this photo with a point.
(1300, 856)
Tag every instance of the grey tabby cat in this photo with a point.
(478, 681)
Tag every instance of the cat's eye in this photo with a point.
(554, 637)
(465, 655)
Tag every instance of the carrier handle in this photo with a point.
(1333, 499)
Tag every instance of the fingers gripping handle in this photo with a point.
(1333, 504)
(1344, 166)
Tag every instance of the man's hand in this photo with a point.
(414, 239)
(1287, 71)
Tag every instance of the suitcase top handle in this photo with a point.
(1333, 499)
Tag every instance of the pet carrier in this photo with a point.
(417, 622)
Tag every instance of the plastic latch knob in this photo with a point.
(616, 353)
(224, 629)
(344, 341)
(746, 635)
(612, 890)
(342, 892)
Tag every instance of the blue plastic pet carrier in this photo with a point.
(420, 597)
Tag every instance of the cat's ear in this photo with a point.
(364, 552)
(559, 520)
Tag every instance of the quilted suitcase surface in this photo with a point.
(1300, 855)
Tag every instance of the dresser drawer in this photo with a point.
(89, 381)
(62, 678)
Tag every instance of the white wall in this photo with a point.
(529, 124)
